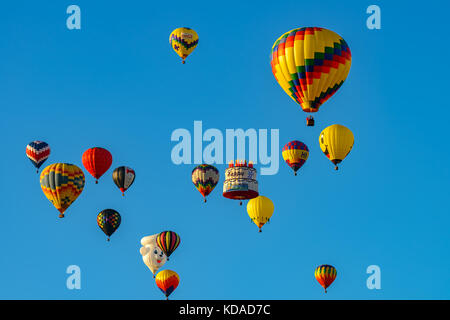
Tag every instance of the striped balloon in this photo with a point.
(295, 153)
(38, 152)
(167, 281)
(310, 64)
(168, 241)
(109, 220)
(205, 178)
(62, 183)
(325, 275)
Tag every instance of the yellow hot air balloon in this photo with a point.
(260, 209)
(336, 141)
(62, 183)
(310, 64)
(183, 41)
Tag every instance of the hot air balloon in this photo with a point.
(109, 220)
(123, 177)
(183, 41)
(205, 178)
(167, 281)
(260, 209)
(62, 183)
(325, 275)
(295, 153)
(153, 257)
(240, 181)
(310, 64)
(168, 241)
(38, 152)
(97, 161)
(336, 142)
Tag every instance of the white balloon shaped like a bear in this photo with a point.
(153, 257)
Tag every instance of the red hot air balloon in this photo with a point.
(97, 161)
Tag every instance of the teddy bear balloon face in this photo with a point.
(153, 257)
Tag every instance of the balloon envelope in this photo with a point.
(310, 64)
(183, 41)
(260, 209)
(109, 220)
(167, 281)
(168, 241)
(123, 177)
(295, 153)
(153, 257)
(205, 178)
(325, 275)
(97, 161)
(38, 152)
(62, 183)
(336, 142)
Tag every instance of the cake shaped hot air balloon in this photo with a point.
(310, 64)
(336, 142)
(38, 152)
(325, 275)
(240, 181)
(260, 210)
(295, 153)
(97, 161)
(62, 183)
(167, 281)
(109, 220)
(205, 178)
(183, 41)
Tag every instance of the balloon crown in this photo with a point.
(240, 163)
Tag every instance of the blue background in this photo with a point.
(116, 83)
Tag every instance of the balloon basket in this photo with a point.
(96, 181)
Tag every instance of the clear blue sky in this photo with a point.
(116, 83)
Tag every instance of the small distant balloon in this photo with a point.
(123, 177)
(205, 178)
(97, 161)
(109, 220)
(167, 281)
(183, 42)
(325, 275)
(38, 151)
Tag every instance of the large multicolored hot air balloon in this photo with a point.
(109, 220)
(153, 257)
(38, 152)
(260, 209)
(205, 178)
(295, 153)
(183, 41)
(310, 64)
(167, 281)
(97, 161)
(123, 177)
(62, 183)
(336, 142)
(325, 275)
(168, 241)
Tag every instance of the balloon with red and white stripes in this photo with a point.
(38, 152)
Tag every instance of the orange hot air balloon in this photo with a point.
(97, 161)
(167, 281)
(325, 275)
